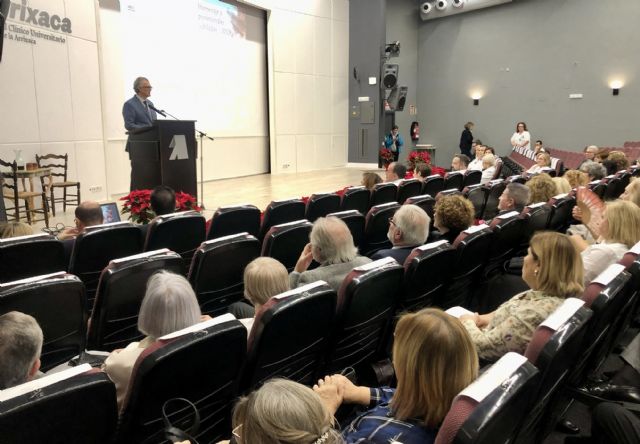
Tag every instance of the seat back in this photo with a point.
(427, 271)
(216, 272)
(57, 164)
(495, 188)
(285, 242)
(356, 198)
(58, 302)
(561, 207)
(26, 256)
(65, 407)
(181, 232)
(355, 221)
(280, 212)
(599, 187)
(290, 335)
(233, 220)
(408, 188)
(454, 179)
(367, 301)
(508, 234)
(383, 193)
(471, 177)
(427, 203)
(97, 246)
(498, 172)
(491, 409)
(122, 286)
(432, 185)
(319, 205)
(614, 188)
(536, 219)
(477, 194)
(376, 228)
(180, 366)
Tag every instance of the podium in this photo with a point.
(164, 154)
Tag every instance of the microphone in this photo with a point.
(161, 112)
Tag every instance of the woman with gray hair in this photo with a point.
(169, 305)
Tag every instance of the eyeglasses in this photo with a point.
(392, 222)
(236, 432)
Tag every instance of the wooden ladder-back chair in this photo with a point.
(59, 170)
(11, 191)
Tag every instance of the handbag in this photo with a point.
(174, 434)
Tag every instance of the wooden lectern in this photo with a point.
(164, 154)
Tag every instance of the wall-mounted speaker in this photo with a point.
(398, 98)
(389, 75)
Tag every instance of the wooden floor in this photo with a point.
(258, 190)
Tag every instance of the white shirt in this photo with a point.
(520, 138)
(475, 164)
(487, 175)
(535, 169)
(598, 257)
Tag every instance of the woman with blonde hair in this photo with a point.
(434, 359)
(283, 412)
(576, 178)
(562, 185)
(542, 188)
(553, 271)
(632, 192)
(543, 160)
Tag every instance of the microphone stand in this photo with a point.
(201, 136)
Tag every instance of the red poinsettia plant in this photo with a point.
(386, 155)
(138, 205)
(416, 157)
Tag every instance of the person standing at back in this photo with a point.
(466, 139)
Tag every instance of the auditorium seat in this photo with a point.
(508, 234)
(561, 208)
(427, 271)
(122, 286)
(599, 187)
(97, 246)
(356, 198)
(233, 220)
(536, 218)
(614, 188)
(498, 172)
(383, 193)
(376, 228)
(58, 302)
(495, 188)
(432, 185)
(285, 242)
(448, 192)
(201, 364)
(408, 188)
(367, 301)
(26, 256)
(217, 270)
(280, 212)
(355, 221)
(424, 201)
(454, 179)
(321, 204)
(290, 336)
(73, 407)
(471, 177)
(490, 410)
(477, 195)
(181, 232)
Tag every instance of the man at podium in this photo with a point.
(138, 113)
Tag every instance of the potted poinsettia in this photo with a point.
(417, 157)
(386, 156)
(138, 205)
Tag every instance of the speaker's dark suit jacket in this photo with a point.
(399, 254)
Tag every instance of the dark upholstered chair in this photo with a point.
(432, 185)
(383, 193)
(536, 218)
(280, 212)
(97, 246)
(233, 220)
(494, 191)
(427, 203)
(448, 192)
(427, 272)
(123, 283)
(599, 187)
(58, 302)
(561, 207)
(200, 364)
(454, 179)
(321, 204)
(491, 409)
(26, 256)
(217, 268)
(181, 232)
(356, 198)
(508, 230)
(355, 221)
(78, 409)
(376, 228)
(290, 336)
(615, 187)
(471, 177)
(285, 242)
(367, 301)
(477, 194)
(408, 188)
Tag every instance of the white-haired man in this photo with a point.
(20, 348)
(331, 245)
(408, 228)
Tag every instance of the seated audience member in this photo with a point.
(460, 162)
(476, 163)
(283, 411)
(489, 150)
(14, 229)
(514, 198)
(408, 228)
(434, 359)
(396, 172)
(488, 168)
(632, 192)
(576, 178)
(589, 154)
(263, 277)
(453, 214)
(562, 185)
(538, 148)
(422, 171)
(553, 271)
(331, 245)
(169, 305)
(370, 180)
(542, 188)
(620, 160)
(611, 166)
(543, 160)
(88, 214)
(619, 231)
(20, 348)
(594, 170)
(601, 155)
(163, 201)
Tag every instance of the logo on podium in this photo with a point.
(179, 146)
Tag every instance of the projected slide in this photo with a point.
(206, 60)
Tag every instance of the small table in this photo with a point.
(25, 174)
(429, 149)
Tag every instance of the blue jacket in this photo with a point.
(135, 115)
(388, 141)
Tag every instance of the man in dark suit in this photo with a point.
(138, 113)
(408, 228)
